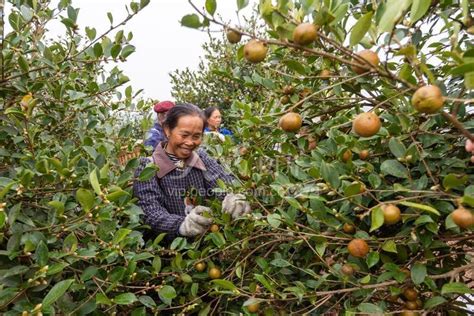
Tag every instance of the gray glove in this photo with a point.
(194, 223)
(236, 205)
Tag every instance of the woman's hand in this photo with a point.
(236, 205)
(194, 223)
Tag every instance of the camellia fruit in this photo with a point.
(289, 89)
(255, 51)
(368, 55)
(325, 74)
(347, 269)
(428, 99)
(200, 266)
(364, 154)
(347, 155)
(462, 217)
(391, 214)
(358, 248)
(214, 273)
(366, 124)
(233, 36)
(214, 228)
(253, 308)
(305, 34)
(291, 122)
(410, 294)
(348, 228)
(285, 99)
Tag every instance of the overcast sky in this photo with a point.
(162, 44)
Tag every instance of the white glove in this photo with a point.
(236, 205)
(194, 223)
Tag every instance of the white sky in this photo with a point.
(162, 44)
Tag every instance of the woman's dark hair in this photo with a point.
(181, 110)
(208, 112)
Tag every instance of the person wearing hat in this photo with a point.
(156, 133)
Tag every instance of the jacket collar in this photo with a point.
(165, 165)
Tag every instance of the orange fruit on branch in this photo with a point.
(428, 99)
(255, 51)
(369, 56)
(214, 273)
(305, 33)
(358, 248)
(463, 217)
(366, 124)
(291, 122)
(391, 214)
(233, 36)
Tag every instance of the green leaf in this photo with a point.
(377, 218)
(456, 287)
(296, 66)
(369, 308)
(85, 198)
(468, 197)
(56, 292)
(224, 284)
(433, 302)
(397, 148)
(127, 50)
(58, 206)
(274, 220)
(330, 174)
(95, 182)
(242, 4)
(121, 234)
(211, 6)
(372, 259)
(393, 12)
(360, 28)
(418, 9)
(191, 20)
(281, 263)
(418, 273)
(91, 33)
(116, 195)
(390, 246)
(462, 69)
(115, 50)
(353, 189)
(394, 168)
(3, 218)
(422, 207)
(23, 63)
(453, 181)
(166, 294)
(125, 299)
(42, 254)
(98, 50)
(147, 301)
(148, 172)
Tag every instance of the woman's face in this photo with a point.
(185, 137)
(214, 121)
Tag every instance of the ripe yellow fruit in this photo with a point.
(428, 99)
(347, 269)
(347, 155)
(214, 273)
(364, 154)
(368, 55)
(391, 214)
(325, 74)
(200, 266)
(233, 36)
(253, 308)
(366, 124)
(410, 294)
(348, 228)
(214, 228)
(305, 34)
(291, 122)
(358, 248)
(463, 217)
(255, 51)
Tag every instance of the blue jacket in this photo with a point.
(155, 135)
(223, 131)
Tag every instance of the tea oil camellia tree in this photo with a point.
(376, 216)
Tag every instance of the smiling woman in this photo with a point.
(182, 170)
